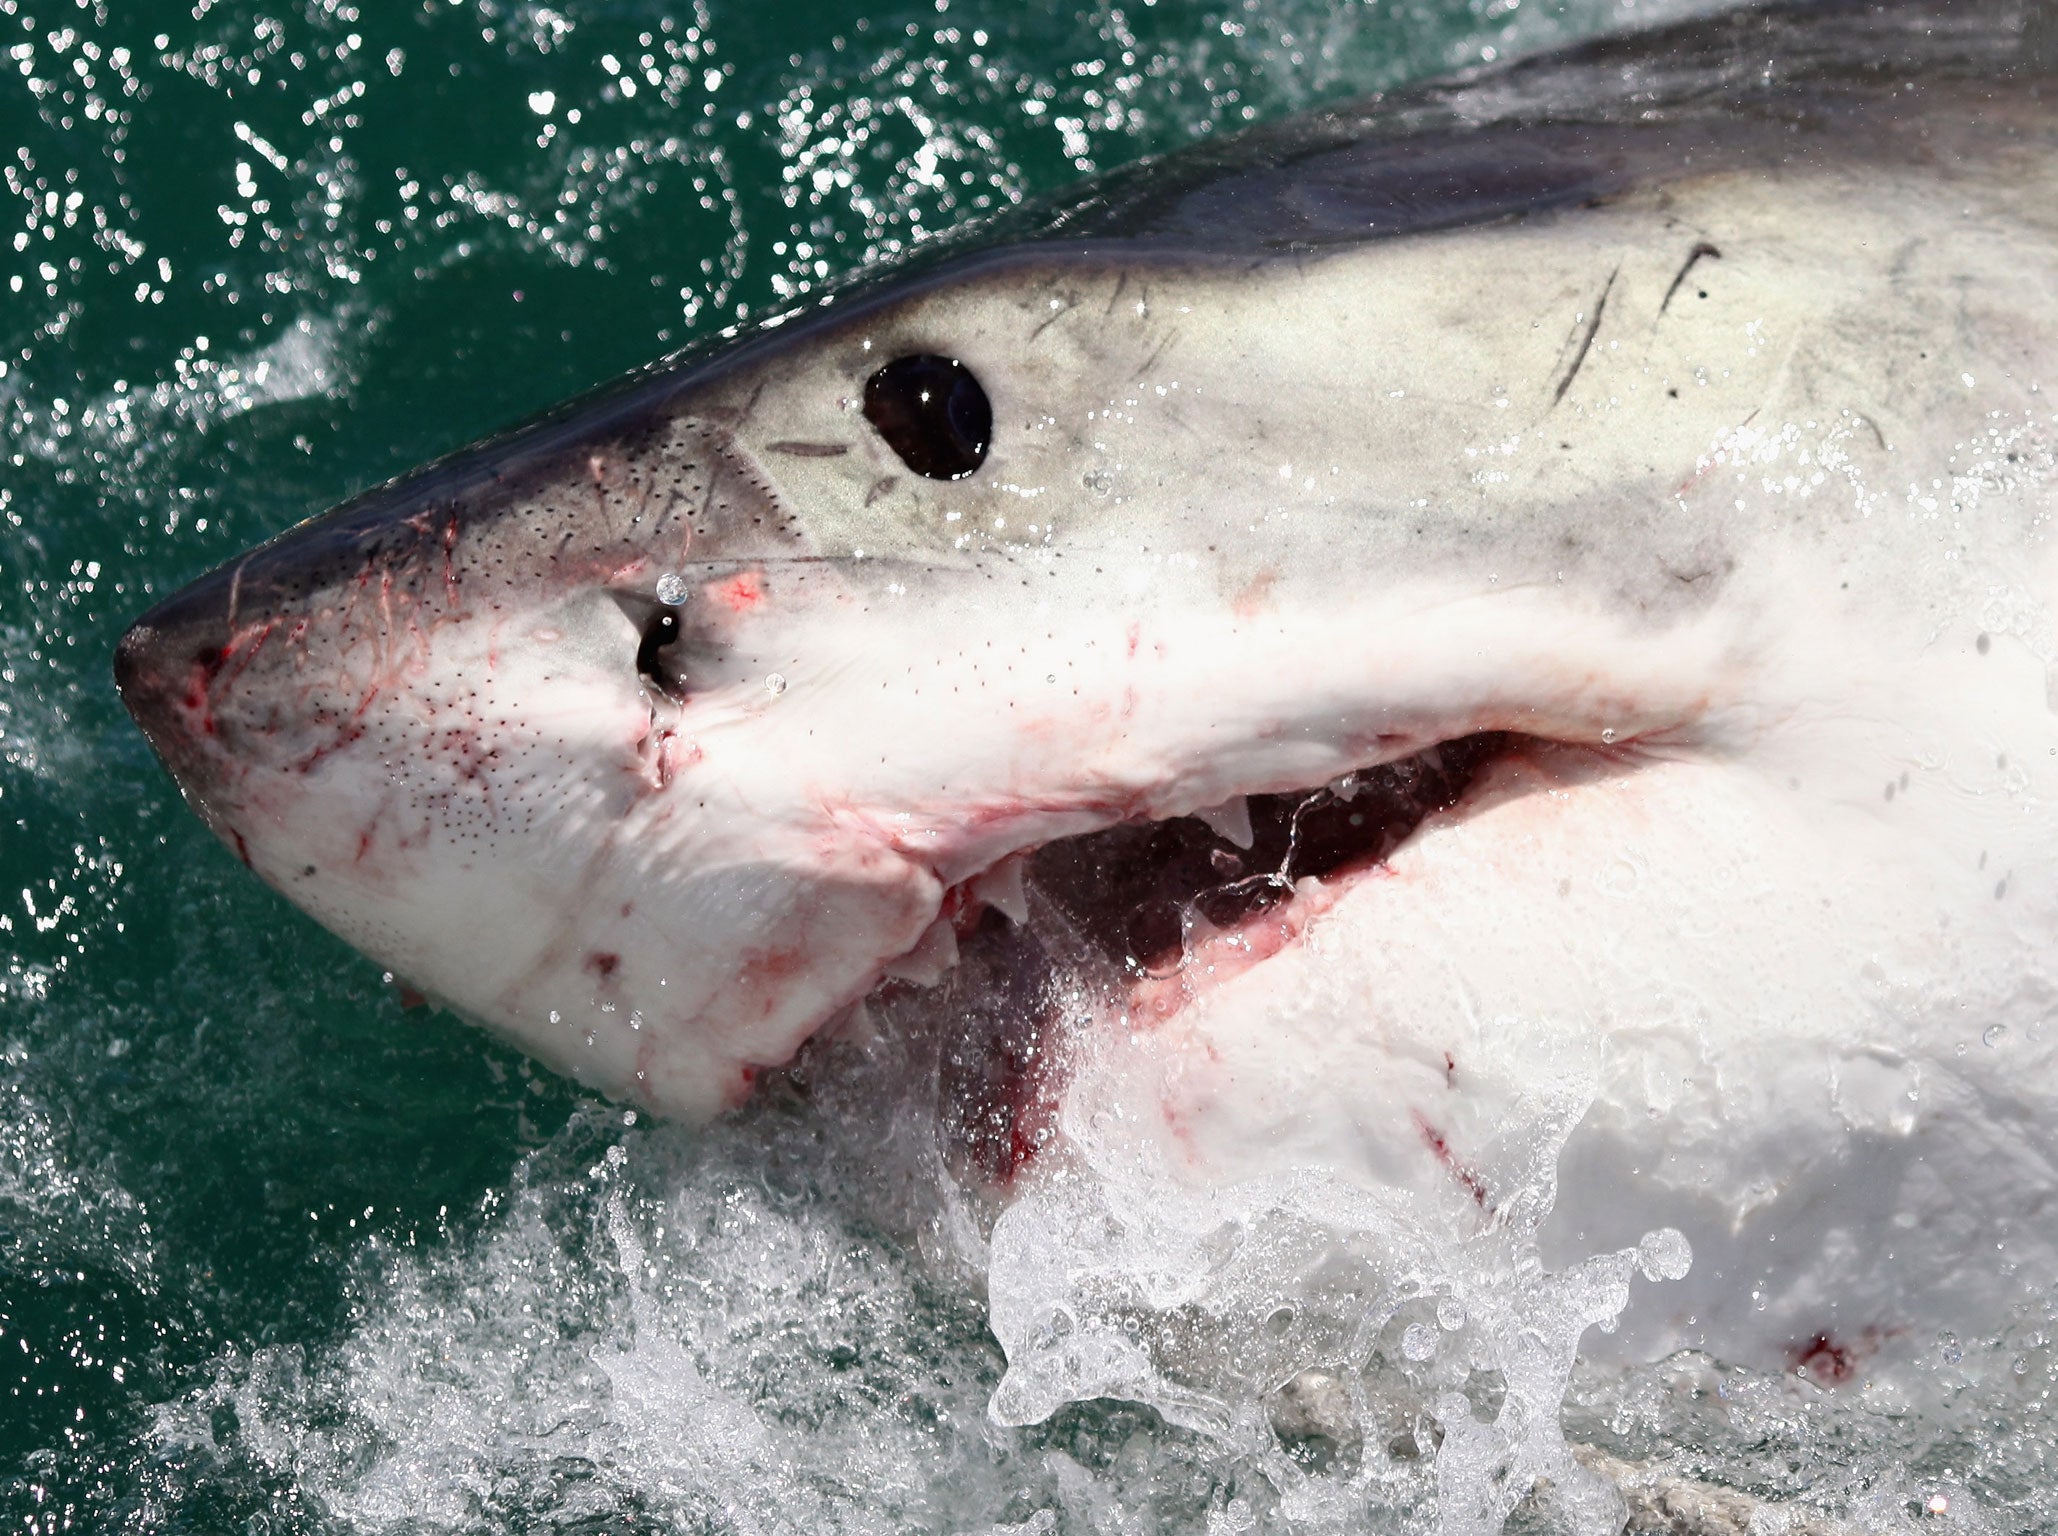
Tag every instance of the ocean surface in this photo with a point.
(278, 1253)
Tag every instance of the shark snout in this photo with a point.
(165, 668)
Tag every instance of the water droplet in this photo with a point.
(1157, 934)
(671, 589)
(1664, 1254)
(1419, 1342)
(556, 1017)
(1608, 737)
(775, 684)
(1449, 1314)
(1992, 1034)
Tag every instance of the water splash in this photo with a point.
(1368, 1352)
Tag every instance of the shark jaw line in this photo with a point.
(1149, 912)
(1128, 926)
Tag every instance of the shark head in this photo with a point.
(656, 737)
(1410, 594)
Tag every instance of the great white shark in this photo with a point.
(1318, 628)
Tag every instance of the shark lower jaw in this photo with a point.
(1130, 926)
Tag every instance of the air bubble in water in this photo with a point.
(1419, 1342)
(1992, 1034)
(1664, 1254)
(1450, 1315)
(775, 684)
(671, 589)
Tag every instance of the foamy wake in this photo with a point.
(777, 1327)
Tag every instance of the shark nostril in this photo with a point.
(660, 630)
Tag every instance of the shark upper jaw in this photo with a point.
(1148, 915)
(664, 898)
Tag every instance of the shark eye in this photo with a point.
(660, 629)
(932, 412)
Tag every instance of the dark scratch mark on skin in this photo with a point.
(1156, 352)
(1701, 249)
(879, 488)
(1121, 285)
(749, 407)
(1586, 340)
(1055, 316)
(801, 450)
(236, 591)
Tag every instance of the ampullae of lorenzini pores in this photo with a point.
(1460, 690)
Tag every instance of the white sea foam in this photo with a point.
(777, 1327)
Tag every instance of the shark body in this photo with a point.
(1553, 568)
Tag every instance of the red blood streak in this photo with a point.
(1463, 1172)
(1822, 1359)
(964, 910)
(199, 679)
(1027, 1093)
(1256, 595)
(741, 592)
(449, 560)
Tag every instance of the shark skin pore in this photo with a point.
(1648, 448)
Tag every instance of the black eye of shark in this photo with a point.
(933, 413)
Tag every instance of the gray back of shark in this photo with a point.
(1631, 469)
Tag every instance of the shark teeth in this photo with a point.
(1230, 821)
(931, 958)
(1001, 888)
(854, 1024)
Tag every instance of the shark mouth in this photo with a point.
(1134, 921)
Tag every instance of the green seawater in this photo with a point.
(277, 1253)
